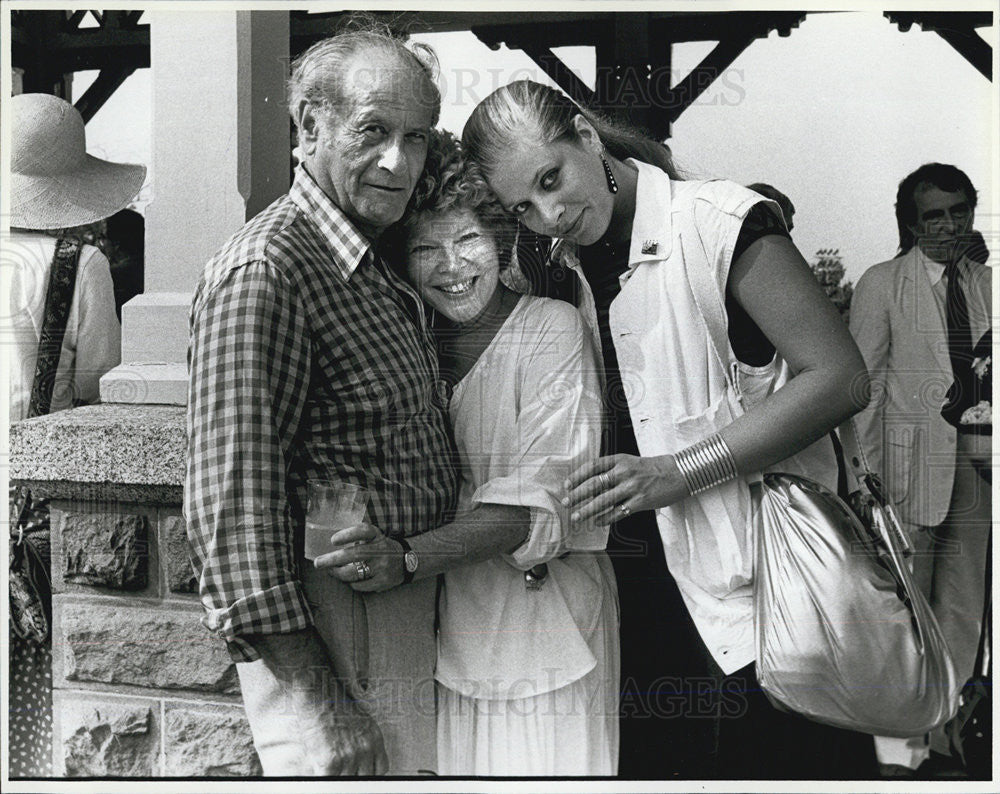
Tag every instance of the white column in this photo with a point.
(220, 155)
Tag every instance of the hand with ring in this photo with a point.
(364, 572)
(365, 558)
(615, 486)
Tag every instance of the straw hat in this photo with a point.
(54, 183)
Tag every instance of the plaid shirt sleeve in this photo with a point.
(249, 369)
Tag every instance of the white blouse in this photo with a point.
(525, 416)
(92, 344)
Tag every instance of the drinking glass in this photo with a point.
(332, 506)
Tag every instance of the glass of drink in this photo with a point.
(332, 506)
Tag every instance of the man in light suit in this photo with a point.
(900, 322)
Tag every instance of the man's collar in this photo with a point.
(934, 270)
(347, 242)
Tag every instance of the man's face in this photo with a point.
(943, 219)
(367, 155)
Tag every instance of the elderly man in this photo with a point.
(916, 319)
(309, 359)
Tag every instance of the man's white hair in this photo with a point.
(318, 74)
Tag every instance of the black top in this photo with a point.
(748, 341)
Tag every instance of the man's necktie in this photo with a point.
(957, 317)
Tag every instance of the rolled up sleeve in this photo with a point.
(558, 428)
(249, 364)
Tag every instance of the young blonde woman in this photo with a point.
(637, 238)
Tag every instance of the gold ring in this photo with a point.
(625, 509)
(364, 572)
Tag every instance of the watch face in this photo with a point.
(410, 559)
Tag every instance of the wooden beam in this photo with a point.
(553, 28)
(694, 84)
(324, 24)
(958, 28)
(564, 77)
(973, 48)
(41, 75)
(633, 98)
(633, 74)
(964, 21)
(574, 30)
(719, 25)
(100, 91)
(98, 48)
(103, 38)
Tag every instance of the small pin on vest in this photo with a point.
(650, 246)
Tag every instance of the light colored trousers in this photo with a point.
(382, 648)
(949, 567)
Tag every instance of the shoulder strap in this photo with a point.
(857, 460)
(58, 298)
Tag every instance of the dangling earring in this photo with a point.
(612, 184)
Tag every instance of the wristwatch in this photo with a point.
(410, 561)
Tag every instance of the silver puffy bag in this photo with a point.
(843, 635)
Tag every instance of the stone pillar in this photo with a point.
(140, 688)
(221, 142)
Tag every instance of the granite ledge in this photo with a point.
(104, 447)
(104, 493)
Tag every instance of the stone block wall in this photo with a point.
(141, 688)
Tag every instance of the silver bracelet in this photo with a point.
(706, 464)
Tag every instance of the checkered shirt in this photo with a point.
(308, 358)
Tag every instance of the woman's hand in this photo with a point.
(612, 487)
(366, 559)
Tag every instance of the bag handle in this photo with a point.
(58, 298)
(869, 482)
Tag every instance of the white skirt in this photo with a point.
(568, 731)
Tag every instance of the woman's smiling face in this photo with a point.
(557, 188)
(452, 261)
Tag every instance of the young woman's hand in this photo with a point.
(365, 558)
(615, 486)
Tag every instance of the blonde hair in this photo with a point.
(526, 109)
